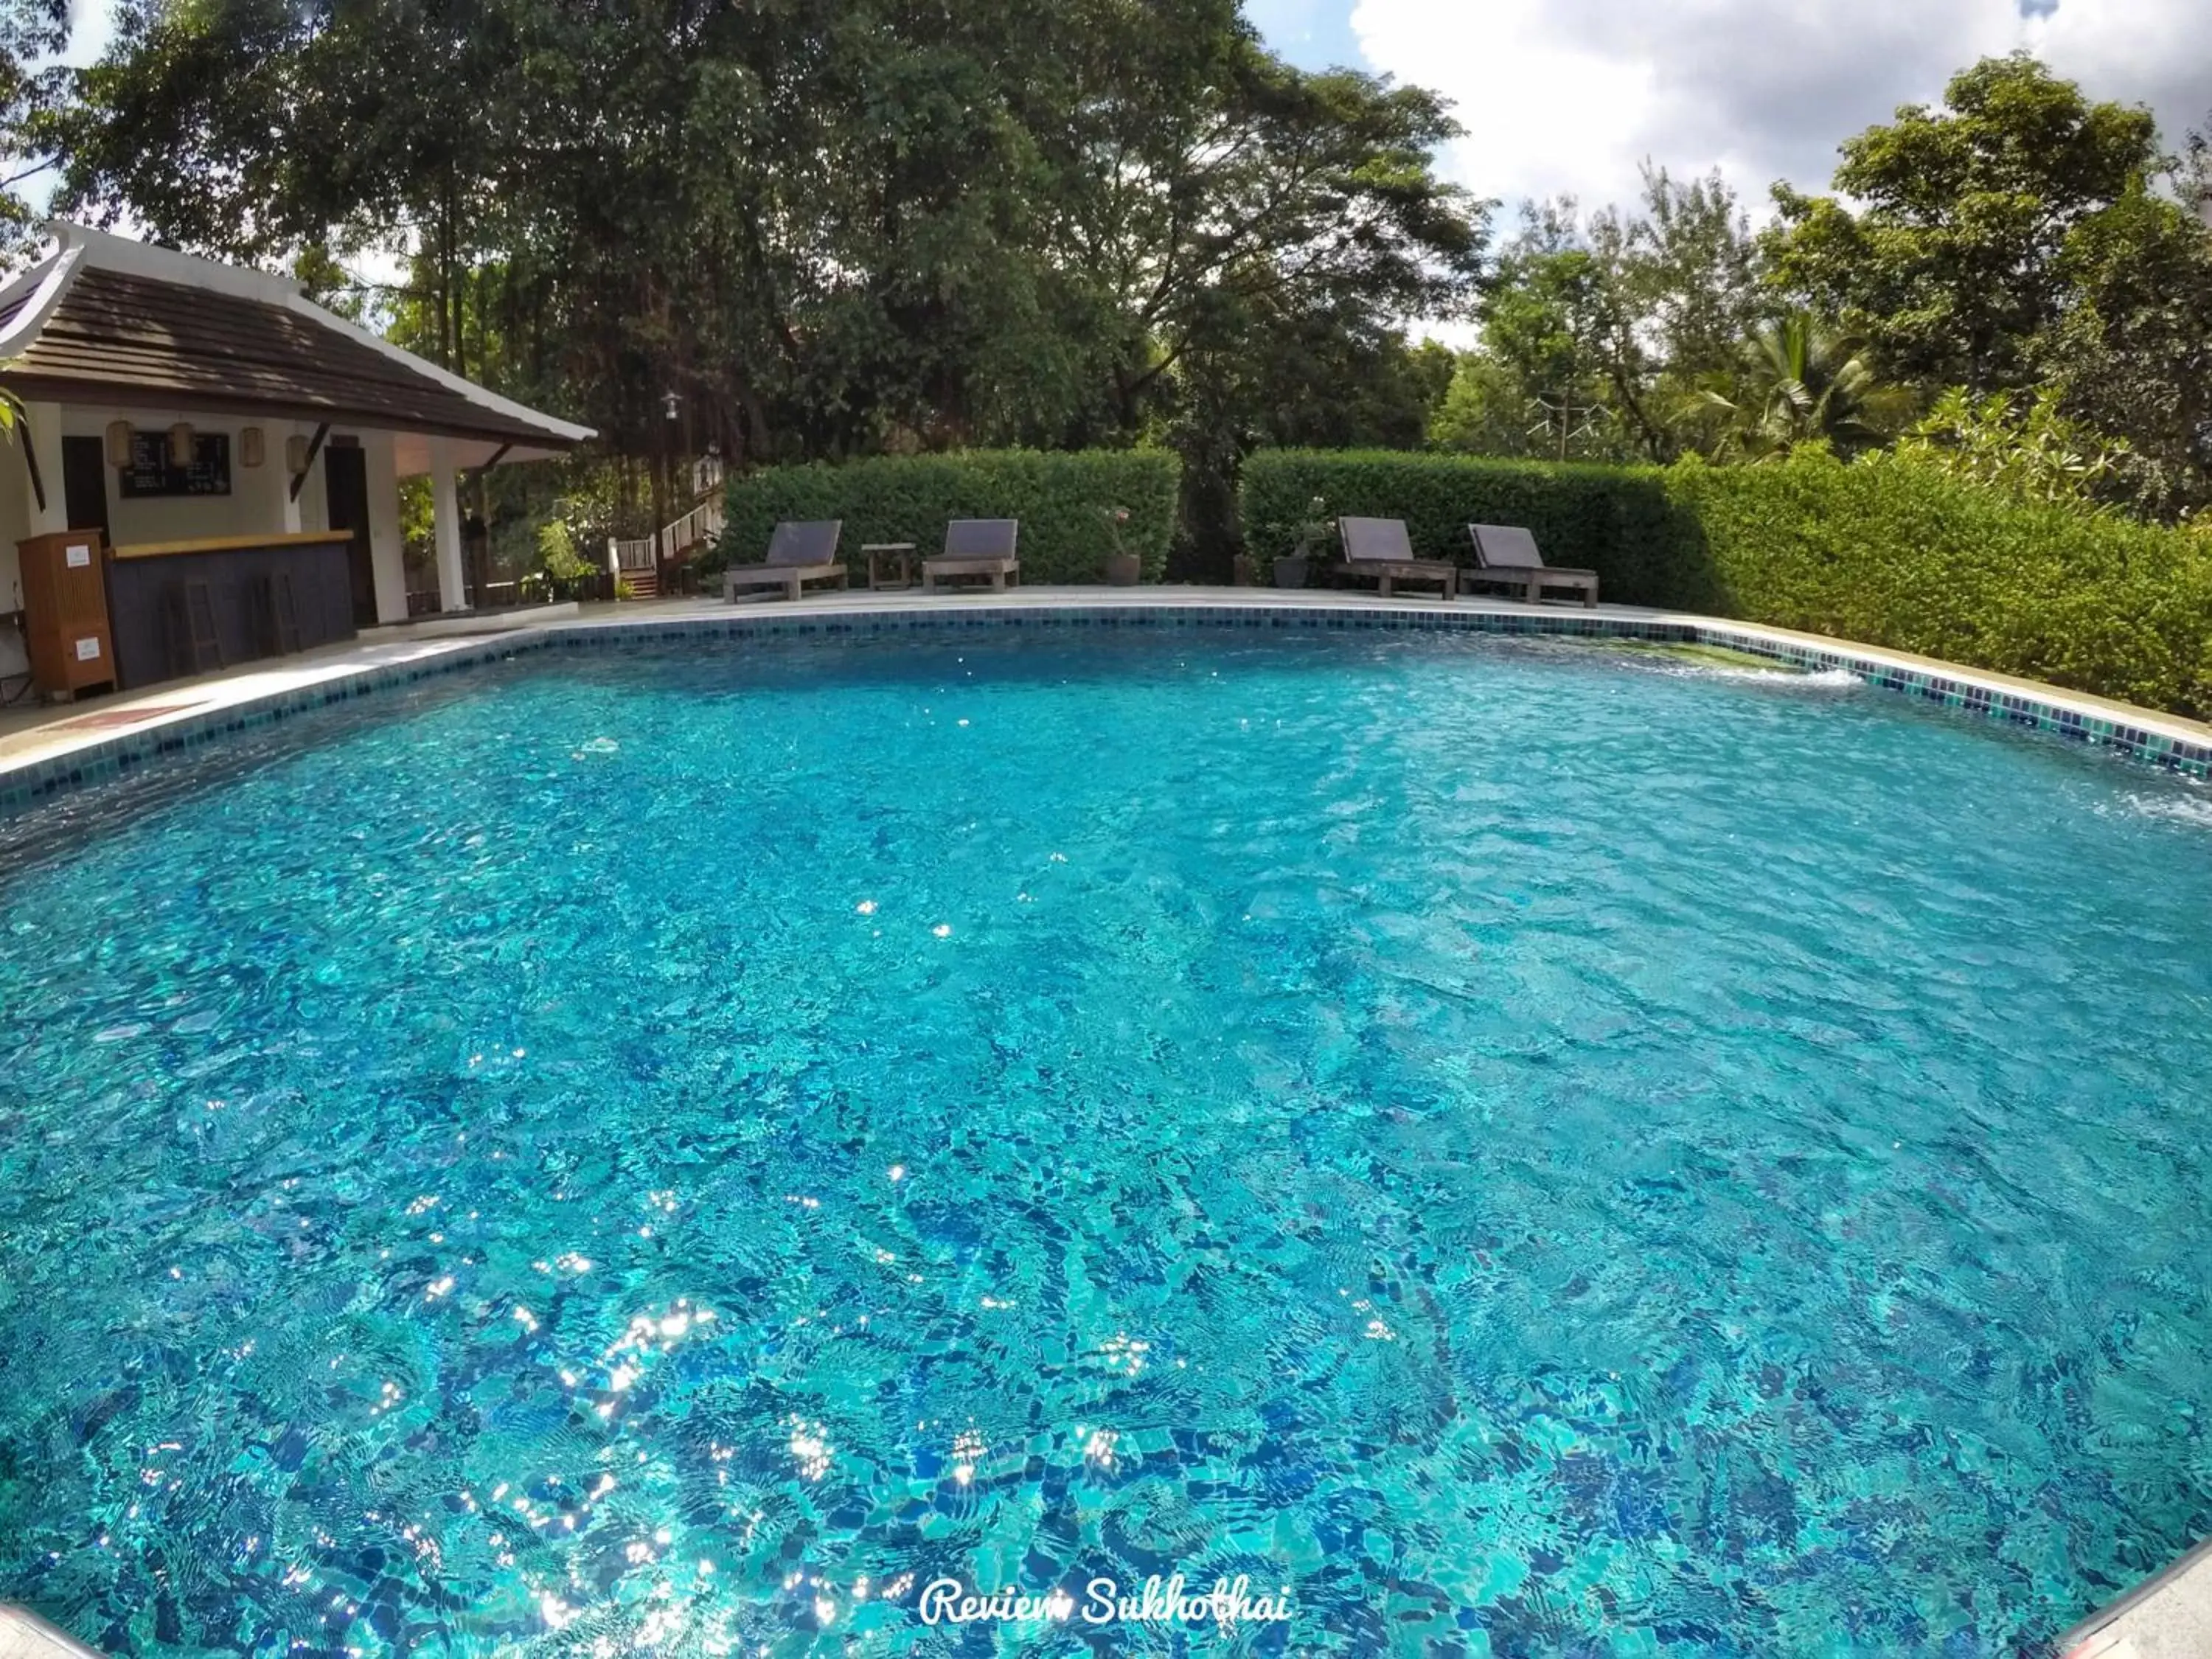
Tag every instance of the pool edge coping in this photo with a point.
(24, 1635)
(2169, 1600)
(220, 707)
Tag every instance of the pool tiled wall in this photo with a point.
(29, 785)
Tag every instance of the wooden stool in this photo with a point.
(193, 643)
(280, 617)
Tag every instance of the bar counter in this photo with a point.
(150, 586)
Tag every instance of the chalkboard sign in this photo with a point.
(151, 474)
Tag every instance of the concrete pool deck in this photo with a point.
(2168, 1616)
(45, 752)
(25, 1636)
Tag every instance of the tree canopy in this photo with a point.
(1953, 261)
(836, 228)
(831, 227)
(2020, 241)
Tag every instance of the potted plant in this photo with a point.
(1293, 570)
(1123, 567)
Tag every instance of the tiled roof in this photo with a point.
(234, 340)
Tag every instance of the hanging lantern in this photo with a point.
(295, 455)
(250, 446)
(118, 444)
(181, 444)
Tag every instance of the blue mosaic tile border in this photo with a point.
(2022, 709)
(26, 787)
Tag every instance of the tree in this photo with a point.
(1803, 382)
(1953, 265)
(2132, 355)
(1689, 269)
(826, 226)
(30, 31)
(1592, 330)
(2025, 446)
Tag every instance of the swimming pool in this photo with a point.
(1529, 1148)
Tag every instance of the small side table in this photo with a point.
(898, 554)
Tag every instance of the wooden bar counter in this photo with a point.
(166, 600)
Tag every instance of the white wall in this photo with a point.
(257, 502)
(260, 502)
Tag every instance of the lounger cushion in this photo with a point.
(981, 538)
(814, 542)
(1384, 540)
(1505, 547)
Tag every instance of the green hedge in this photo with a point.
(1881, 551)
(909, 498)
(1618, 521)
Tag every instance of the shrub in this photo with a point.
(1061, 499)
(1895, 553)
(1885, 551)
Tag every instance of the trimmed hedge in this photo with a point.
(1618, 521)
(1881, 551)
(899, 498)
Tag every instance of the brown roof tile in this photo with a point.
(123, 339)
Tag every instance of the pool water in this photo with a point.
(1525, 1149)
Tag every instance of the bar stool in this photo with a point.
(279, 616)
(194, 644)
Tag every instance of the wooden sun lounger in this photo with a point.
(1506, 555)
(977, 547)
(1380, 548)
(797, 554)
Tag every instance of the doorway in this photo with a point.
(85, 485)
(345, 482)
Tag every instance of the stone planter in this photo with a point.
(1291, 572)
(1124, 569)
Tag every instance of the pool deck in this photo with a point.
(25, 1636)
(2169, 1616)
(38, 736)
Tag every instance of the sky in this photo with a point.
(1569, 96)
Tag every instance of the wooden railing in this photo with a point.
(628, 556)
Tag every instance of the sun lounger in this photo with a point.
(797, 554)
(977, 547)
(1380, 548)
(1506, 556)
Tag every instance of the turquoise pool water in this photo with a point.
(1532, 1150)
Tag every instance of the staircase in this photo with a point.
(636, 562)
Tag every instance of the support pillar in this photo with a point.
(446, 527)
(272, 480)
(387, 546)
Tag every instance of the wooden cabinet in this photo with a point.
(66, 611)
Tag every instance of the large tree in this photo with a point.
(828, 227)
(1593, 333)
(31, 32)
(2024, 240)
(1946, 245)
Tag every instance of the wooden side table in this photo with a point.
(899, 555)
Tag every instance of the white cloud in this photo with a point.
(1568, 96)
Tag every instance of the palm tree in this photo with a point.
(1802, 381)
